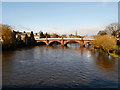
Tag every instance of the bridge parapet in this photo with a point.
(64, 41)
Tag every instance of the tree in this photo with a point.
(7, 36)
(32, 36)
(106, 42)
(35, 33)
(118, 33)
(47, 35)
(111, 28)
(55, 35)
(19, 38)
(41, 34)
(3, 27)
(114, 33)
(102, 33)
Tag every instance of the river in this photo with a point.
(57, 66)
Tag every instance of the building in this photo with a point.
(64, 36)
(29, 36)
(71, 36)
(54, 35)
(36, 36)
(76, 34)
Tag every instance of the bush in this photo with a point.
(105, 42)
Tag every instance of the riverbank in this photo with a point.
(17, 46)
(111, 54)
(22, 45)
(114, 55)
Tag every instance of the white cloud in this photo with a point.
(83, 30)
(55, 30)
(88, 30)
(22, 28)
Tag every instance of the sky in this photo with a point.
(87, 18)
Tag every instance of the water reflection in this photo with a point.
(104, 62)
(58, 65)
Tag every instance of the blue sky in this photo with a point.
(60, 17)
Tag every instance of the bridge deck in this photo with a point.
(63, 39)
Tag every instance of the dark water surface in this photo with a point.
(57, 66)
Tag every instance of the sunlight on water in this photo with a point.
(71, 65)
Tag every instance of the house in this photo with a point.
(36, 36)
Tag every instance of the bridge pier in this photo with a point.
(82, 43)
(62, 42)
(47, 42)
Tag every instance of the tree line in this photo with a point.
(9, 39)
(108, 40)
(112, 29)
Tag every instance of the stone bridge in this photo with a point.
(64, 41)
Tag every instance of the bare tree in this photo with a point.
(102, 33)
(111, 28)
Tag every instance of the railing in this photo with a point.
(63, 38)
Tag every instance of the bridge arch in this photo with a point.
(52, 42)
(86, 43)
(63, 42)
(74, 41)
(41, 43)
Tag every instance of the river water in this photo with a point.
(57, 66)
